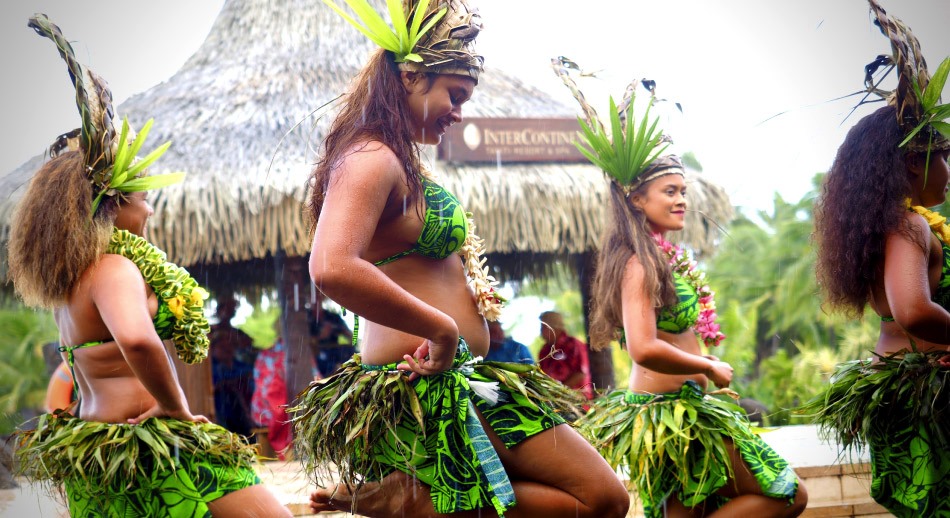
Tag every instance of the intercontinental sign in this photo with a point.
(511, 140)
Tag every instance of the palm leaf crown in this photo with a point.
(425, 36)
(110, 159)
(632, 144)
(917, 96)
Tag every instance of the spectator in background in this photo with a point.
(564, 357)
(503, 348)
(330, 337)
(232, 370)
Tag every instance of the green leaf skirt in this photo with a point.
(899, 409)
(675, 444)
(364, 421)
(160, 467)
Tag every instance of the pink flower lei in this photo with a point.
(681, 263)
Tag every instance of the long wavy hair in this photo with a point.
(627, 233)
(53, 239)
(861, 202)
(375, 109)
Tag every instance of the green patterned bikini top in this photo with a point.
(681, 316)
(163, 326)
(444, 229)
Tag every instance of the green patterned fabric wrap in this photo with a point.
(370, 420)
(161, 467)
(674, 444)
(897, 408)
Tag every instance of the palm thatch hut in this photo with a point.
(245, 116)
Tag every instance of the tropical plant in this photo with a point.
(23, 371)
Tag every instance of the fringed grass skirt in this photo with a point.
(160, 467)
(899, 409)
(674, 444)
(370, 420)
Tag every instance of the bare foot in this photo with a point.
(395, 495)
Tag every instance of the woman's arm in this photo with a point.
(907, 284)
(119, 293)
(643, 345)
(360, 189)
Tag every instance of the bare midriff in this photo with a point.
(894, 339)
(440, 283)
(647, 381)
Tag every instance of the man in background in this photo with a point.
(505, 348)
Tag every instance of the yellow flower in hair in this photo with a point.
(198, 295)
(176, 305)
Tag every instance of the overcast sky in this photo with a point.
(731, 64)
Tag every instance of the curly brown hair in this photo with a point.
(52, 238)
(627, 233)
(861, 202)
(375, 109)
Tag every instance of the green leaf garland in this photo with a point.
(176, 287)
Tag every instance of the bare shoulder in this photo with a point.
(633, 270)
(114, 270)
(368, 161)
(920, 233)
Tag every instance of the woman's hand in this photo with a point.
(720, 373)
(157, 411)
(429, 358)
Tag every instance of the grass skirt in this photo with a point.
(674, 444)
(369, 420)
(160, 467)
(898, 409)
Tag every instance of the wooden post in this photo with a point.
(293, 292)
(195, 382)
(601, 362)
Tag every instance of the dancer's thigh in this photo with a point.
(561, 458)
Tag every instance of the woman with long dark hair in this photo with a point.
(879, 246)
(417, 424)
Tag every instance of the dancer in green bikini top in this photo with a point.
(648, 292)
(396, 249)
(78, 247)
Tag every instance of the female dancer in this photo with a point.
(77, 246)
(417, 404)
(688, 453)
(894, 255)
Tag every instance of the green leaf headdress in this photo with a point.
(436, 36)
(917, 97)
(110, 159)
(630, 153)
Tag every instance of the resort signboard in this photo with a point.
(511, 140)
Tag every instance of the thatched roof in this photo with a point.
(265, 66)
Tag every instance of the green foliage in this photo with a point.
(627, 151)
(261, 325)
(23, 378)
(782, 344)
(405, 33)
